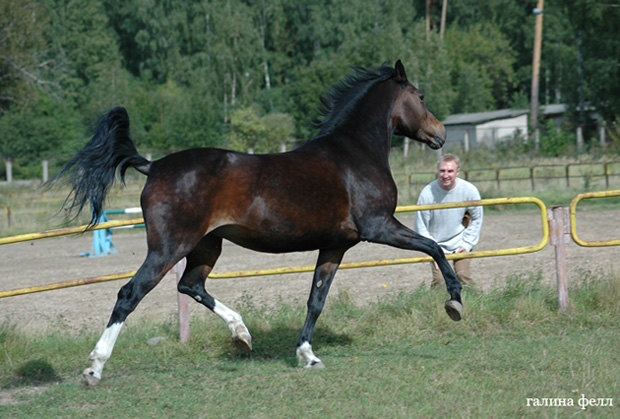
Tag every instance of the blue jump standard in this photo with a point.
(102, 239)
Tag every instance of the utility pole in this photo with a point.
(428, 20)
(538, 11)
(442, 27)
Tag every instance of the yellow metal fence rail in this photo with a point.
(290, 269)
(68, 230)
(573, 218)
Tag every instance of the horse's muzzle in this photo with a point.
(436, 142)
(438, 138)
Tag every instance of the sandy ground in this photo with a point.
(88, 307)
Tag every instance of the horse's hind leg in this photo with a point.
(148, 276)
(200, 262)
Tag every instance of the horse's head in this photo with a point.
(409, 115)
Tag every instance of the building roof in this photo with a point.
(558, 108)
(481, 117)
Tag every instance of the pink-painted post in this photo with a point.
(183, 302)
(559, 236)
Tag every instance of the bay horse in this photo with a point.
(330, 193)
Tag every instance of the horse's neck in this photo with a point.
(370, 126)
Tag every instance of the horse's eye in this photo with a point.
(422, 97)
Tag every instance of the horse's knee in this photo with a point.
(126, 291)
(436, 252)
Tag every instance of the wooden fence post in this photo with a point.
(466, 141)
(559, 236)
(9, 170)
(45, 168)
(183, 302)
(607, 175)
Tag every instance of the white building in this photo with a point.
(472, 130)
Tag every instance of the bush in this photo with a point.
(555, 142)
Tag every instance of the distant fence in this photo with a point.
(535, 175)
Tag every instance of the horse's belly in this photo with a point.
(273, 241)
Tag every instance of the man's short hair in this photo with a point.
(450, 157)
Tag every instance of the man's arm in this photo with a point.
(421, 220)
(471, 235)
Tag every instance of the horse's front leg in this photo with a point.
(392, 232)
(326, 268)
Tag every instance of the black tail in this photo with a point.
(94, 167)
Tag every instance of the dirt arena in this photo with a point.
(88, 307)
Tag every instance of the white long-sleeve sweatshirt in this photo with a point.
(445, 225)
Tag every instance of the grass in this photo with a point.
(399, 357)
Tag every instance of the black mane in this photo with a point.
(344, 96)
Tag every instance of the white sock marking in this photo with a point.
(305, 355)
(103, 348)
(231, 317)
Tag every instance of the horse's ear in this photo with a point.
(401, 76)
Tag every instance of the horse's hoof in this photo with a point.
(90, 378)
(315, 365)
(243, 341)
(454, 310)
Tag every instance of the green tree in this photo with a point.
(148, 36)
(482, 67)
(43, 129)
(280, 128)
(589, 46)
(171, 117)
(246, 129)
(35, 120)
(249, 131)
(81, 33)
(25, 65)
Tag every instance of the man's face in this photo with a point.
(447, 173)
